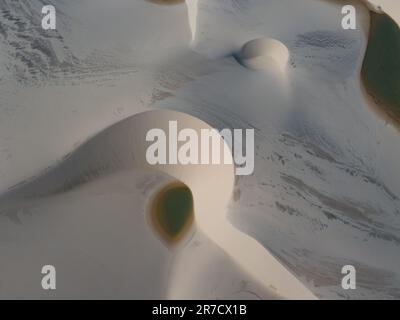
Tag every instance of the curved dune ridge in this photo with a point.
(264, 53)
(122, 146)
(192, 7)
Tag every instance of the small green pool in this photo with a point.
(171, 212)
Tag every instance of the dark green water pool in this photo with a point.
(172, 211)
(381, 66)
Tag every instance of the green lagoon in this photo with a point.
(381, 67)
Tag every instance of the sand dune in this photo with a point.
(261, 54)
(322, 194)
(122, 147)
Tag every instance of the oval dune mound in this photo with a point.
(264, 53)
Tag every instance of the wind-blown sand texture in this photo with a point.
(76, 190)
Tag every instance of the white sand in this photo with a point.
(121, 147)
(314, 127)
(192, 16)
